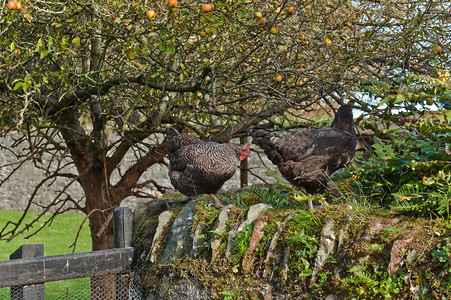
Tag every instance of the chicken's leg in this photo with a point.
(310, 204)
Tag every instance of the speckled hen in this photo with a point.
(307, 157)
(198, 167)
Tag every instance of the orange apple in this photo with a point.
(18, 4)
(274, 30)
(302, 36)
(438, 49)
(206, 7)
(290, 10)
(11, 5)
(151, 14)
(202, 33)
(263, 21)
(172, 3)
(278, 78)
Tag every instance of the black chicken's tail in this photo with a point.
(262, 138)
(258, 132)
(173, 131)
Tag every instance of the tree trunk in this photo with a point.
(101, 197)
(99, 206)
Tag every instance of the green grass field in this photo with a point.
(56, 239)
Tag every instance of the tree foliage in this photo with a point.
(86, 82)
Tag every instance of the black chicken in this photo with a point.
(307, 157)
(198, 167)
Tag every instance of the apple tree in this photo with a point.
(86, 82)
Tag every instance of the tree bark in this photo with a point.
(100, 202)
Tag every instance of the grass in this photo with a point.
(56, 239)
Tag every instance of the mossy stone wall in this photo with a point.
(193, 250)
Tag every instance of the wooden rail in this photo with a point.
(61, 267)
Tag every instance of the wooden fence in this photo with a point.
(28, 270)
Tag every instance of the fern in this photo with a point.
(444, 190)
(409, 200)
(279, 197)
(241, 242)
(418, 199)
(230, 295)
(407, 193)
(245, 199)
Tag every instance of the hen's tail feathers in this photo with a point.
(258, 131)
(258, 134)
(262, 138)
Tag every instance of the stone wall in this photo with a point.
(18, 188)
(189, 250)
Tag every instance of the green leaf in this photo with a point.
(18, 85)
(170, 49)
(425, 96)
(393, 130)
(384, 151)
(428, 181)
(400, 98)
(387, 99)
(44, 53)
(64, 40)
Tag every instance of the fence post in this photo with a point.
(122, 217)
(122, 227)
(34, 291)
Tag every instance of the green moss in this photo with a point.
(205, 212)
(235, 217)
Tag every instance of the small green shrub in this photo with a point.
(409, 171)
(241, 242)
(374, 285)
(301, 236)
